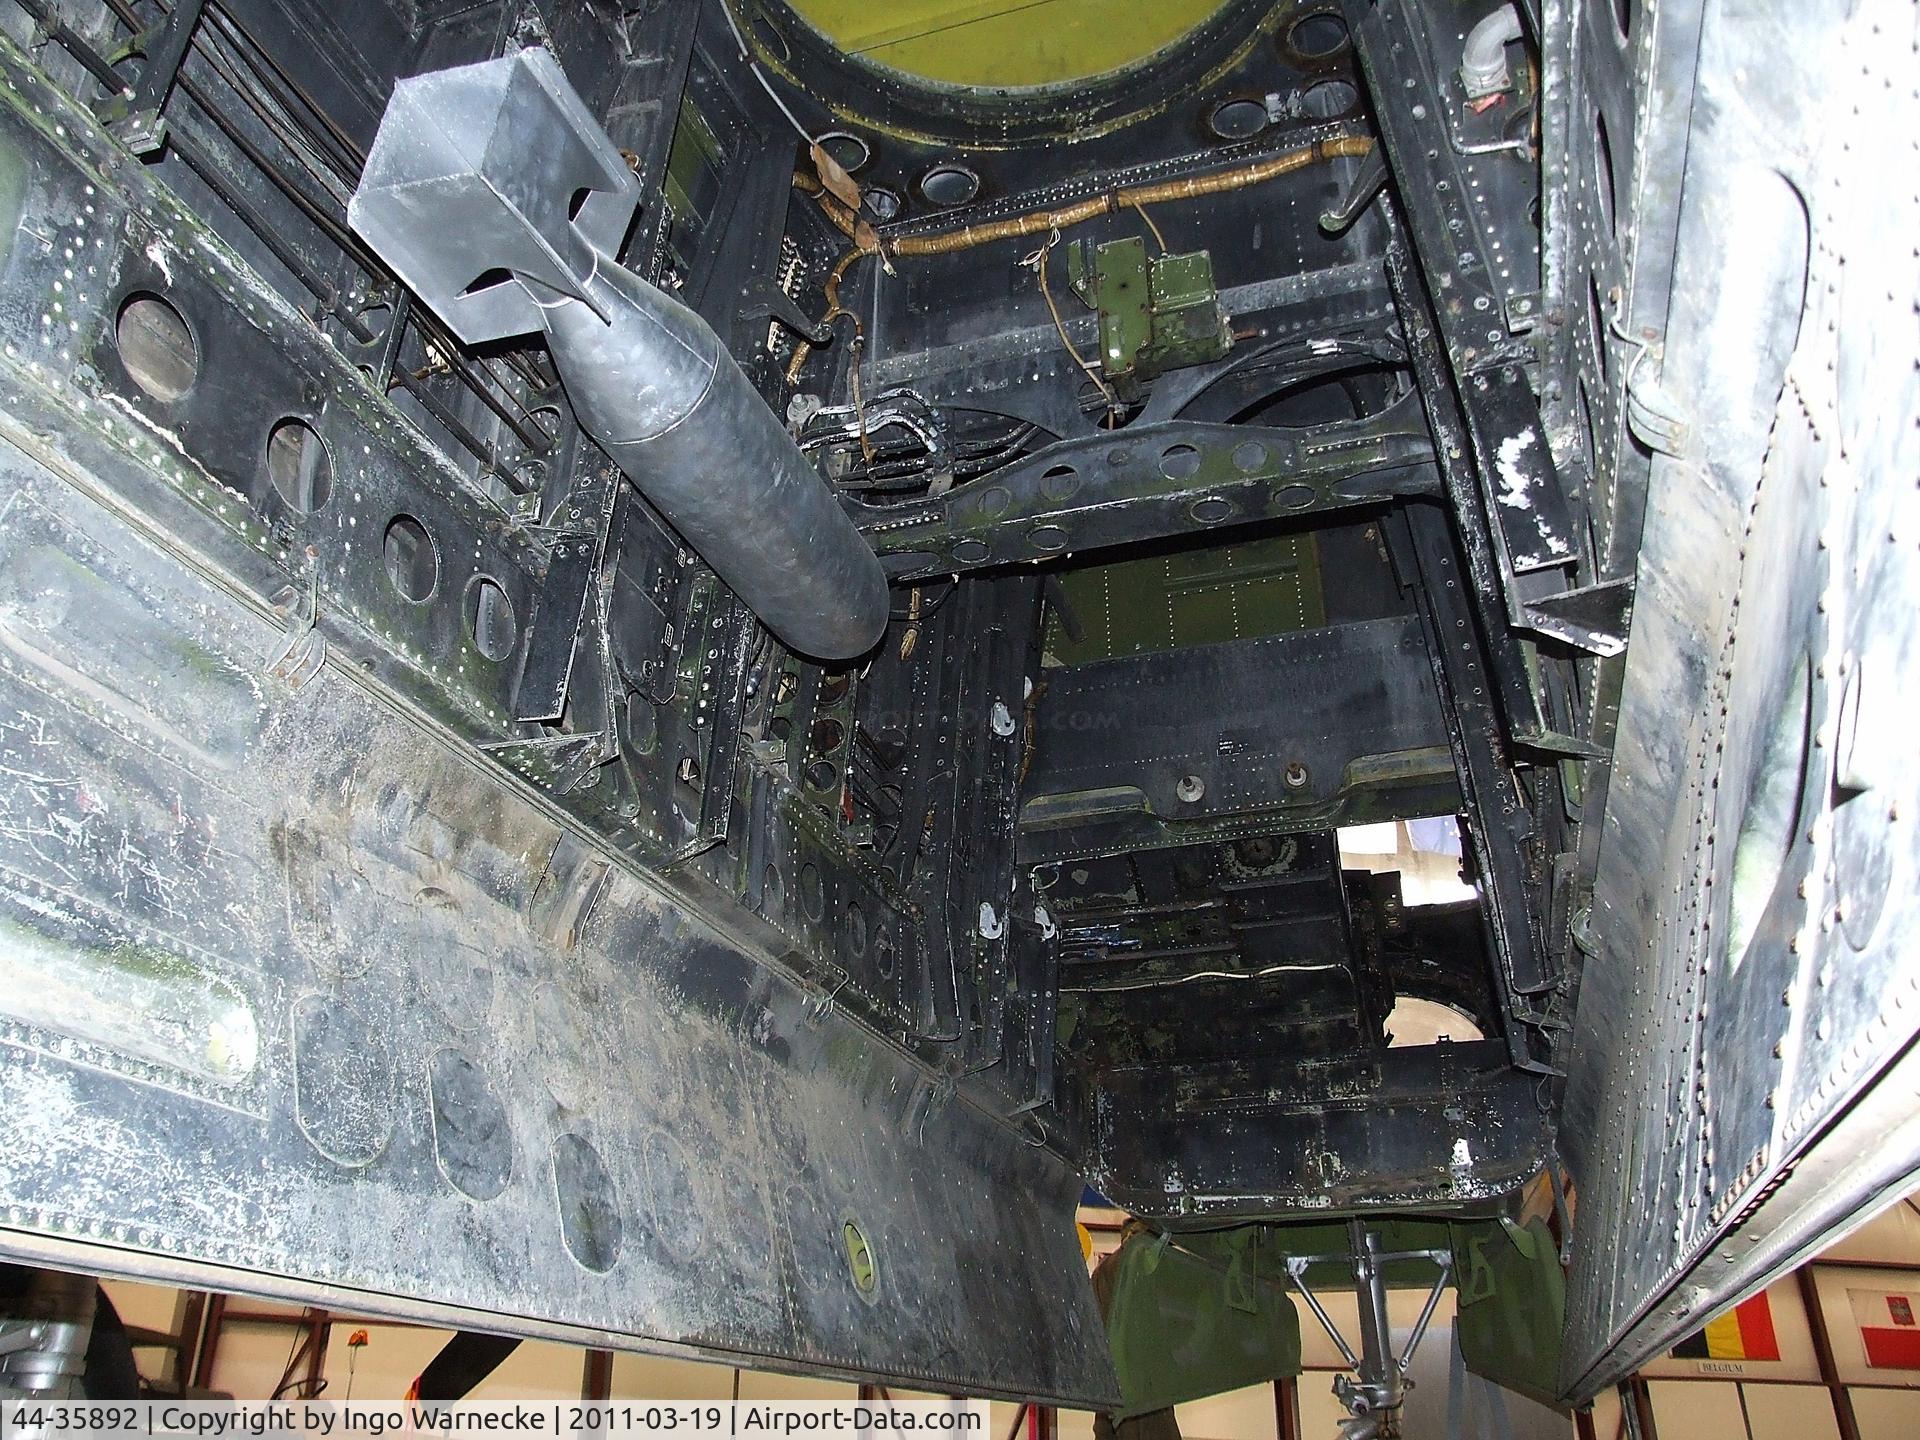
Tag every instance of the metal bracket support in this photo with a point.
(1369, 182)
(1593, 618)
(133, 116)
(562, 607)
(1656, 419)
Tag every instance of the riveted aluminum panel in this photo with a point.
(1741, 1089)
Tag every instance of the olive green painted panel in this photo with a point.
(1190, 597)
(1200, 1318)
(1513, 1306)
(1192, 1315)
(1005, 43)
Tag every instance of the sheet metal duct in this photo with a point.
(494, 194)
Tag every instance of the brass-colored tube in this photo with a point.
(1038, 222)
(834, 311)
(844, 220)
(1350, 147)
(1047, 221)
(1035, 222)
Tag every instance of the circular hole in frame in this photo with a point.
(1238, 119)
(770, 41)
(848, 150)
(491, 620)
(1603, 170)
(412, 559)
(827, 735)
(949, 184)
(1058, 482)
(1048, 539)
(1325, 99)
(1210, 510)
(298, 465)
(861, 1266)
(813, 894)
(1179, 462)
(157, 347)
(1317, 36)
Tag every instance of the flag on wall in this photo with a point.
(1743, 1333)
(1889, 1322)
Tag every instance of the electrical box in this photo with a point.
(1156, 314)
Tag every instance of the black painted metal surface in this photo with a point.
(299, 999)
(505, 881)
(314, 988)
(1359, 715)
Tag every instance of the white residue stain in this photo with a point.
(157, 253)
(173, 441)
(1514, 480)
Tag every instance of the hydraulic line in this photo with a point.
(1036, 222)
(1049, 222)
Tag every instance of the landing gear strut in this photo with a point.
(1377, 1389)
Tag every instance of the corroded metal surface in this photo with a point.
(1742, 1080)
(291, 987)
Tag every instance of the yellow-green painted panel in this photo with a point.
(1005, 43)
